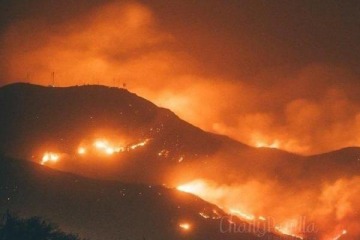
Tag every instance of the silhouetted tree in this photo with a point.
(15, 228)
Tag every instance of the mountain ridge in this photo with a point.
(37, 118)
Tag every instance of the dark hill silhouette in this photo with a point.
(109, 210)
(34, 116)
(54, 113)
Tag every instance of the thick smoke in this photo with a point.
(308, 109)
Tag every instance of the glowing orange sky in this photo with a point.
(232, 83)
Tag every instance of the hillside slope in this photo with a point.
(108, 209)
(36, 119)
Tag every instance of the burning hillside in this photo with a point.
(110, 133)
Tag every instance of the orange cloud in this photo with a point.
(308, 110)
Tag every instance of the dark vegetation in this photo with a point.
(34, 228)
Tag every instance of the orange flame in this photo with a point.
(81, 150)
(140, 144)
(50, 157)
(344, 232)
(192, 187)
(210, 193)
(185, 226)
(245, 216)
(104, 146)
(263, 144)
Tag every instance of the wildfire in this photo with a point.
(263, 144)
(213, 215)
(50, 157)
(287, 231)
(164, 153)
(140, 144)
(104, 146)
(81, 150)
(262, 218)
(185, 226)
(193, 187)
(245, 216)
(212, 193)
(344, 232)
(260, 141)
(204, 215)
(101, 146)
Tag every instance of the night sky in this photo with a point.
(272, 73)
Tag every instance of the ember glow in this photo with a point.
(260, 144)
(185, 226)
(288, 229)
(140, 144)
(262, 218)
(103, 146)
(193, 187)
(100, 147)
(109, 148)
(344, 232)
(50, 157)
(81, 150)
(245, 216)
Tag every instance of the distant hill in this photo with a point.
(36, 118)
(111, 210)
